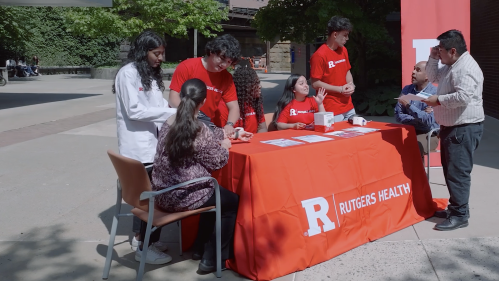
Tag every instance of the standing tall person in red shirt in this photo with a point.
(330, 69)
(221, 52)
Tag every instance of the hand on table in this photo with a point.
(299, 126)
(229, 131)
(244, 136)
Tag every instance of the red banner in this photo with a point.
(422, 21)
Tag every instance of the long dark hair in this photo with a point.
(247, 83)
(287, 95)
(146, 41)
(180, 139)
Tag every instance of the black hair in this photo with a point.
(337, 23)
(225, 45)
(179, 142)
(453, 39)
(247, 83)
(146, 41)
(287, 95)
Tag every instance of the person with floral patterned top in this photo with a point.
(188, 149)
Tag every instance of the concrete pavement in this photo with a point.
(57, 192)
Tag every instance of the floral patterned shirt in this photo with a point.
(208, 157)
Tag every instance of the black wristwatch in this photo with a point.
(230, 124)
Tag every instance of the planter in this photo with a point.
(103, 73)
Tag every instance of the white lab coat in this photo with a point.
(139, 115)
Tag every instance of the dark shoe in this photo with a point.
(207, 265)
(197, 255)
(442, 214)
(452, 223)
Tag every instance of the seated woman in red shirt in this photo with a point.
(250, 100)
(295, 110)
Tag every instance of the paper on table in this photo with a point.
(419, 97)
(342, 134)
(363, 130)
(282, 142)
(313, 138)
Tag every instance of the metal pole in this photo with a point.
(268, 57)
(195, 43)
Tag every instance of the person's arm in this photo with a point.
(234, 113)
(129, 98)
(174, 98)
(262, 128)
(401, 116)
(211, 155)
(317, 84)
(286, 126)
(180, 75)
(421, 116)
(319, 99)
(465, 89)
(432, 70)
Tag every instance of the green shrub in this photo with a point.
(379, 100)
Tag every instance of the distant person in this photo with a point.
(458, 107)
(141, 110)
(221, 52)
(417, 113)
(330, 69)
(294, 109)
(35, 62)
(250, 100)
(188, 149)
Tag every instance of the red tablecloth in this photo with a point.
(305, 204)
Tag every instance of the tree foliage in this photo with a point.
(305, 21)
(127, 18)
(41, 31)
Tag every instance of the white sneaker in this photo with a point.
(153, 256)
(161, 246)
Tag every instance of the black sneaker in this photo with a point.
(208, 265)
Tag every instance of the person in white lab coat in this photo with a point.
(140, 112)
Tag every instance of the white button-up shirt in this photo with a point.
(139, 115)
(459, 91)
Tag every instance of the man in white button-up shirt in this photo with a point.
(458, 108)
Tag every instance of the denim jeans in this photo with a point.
(344, 116)
(458, 144)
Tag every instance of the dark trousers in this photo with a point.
(206, 238)
(458, 144)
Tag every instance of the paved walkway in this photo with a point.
(57, 192)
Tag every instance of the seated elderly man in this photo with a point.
(417, 113)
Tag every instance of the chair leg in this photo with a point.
(110, 246)
(179, 223)
(219, 236)
(145, 247)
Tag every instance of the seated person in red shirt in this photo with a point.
(221, 52)
(249, 97)
(295, 110)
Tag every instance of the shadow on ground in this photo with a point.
(11, 100)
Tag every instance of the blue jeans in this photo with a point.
(344, 116)
(458, 144)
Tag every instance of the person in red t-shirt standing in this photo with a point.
(330, 69)
(294, 109)
(221, 52)
(249, 96)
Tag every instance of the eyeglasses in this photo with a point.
(223, 59)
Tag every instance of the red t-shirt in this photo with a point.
(331, 67)
(299, 111)
(250, 115)
(220, 85)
